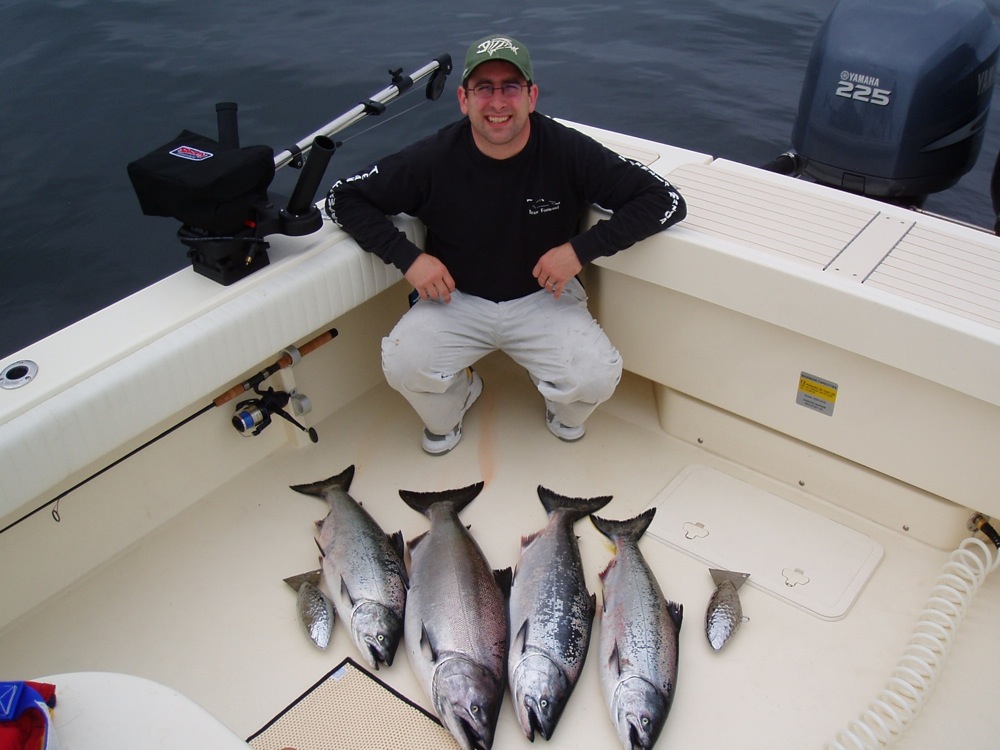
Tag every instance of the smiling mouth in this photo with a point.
(497, 119)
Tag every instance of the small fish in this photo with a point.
(639, 640)
(315, 611)
(363, 570)
(725, 613)
(456, 626)
(551, 615)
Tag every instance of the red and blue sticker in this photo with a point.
(191, 153)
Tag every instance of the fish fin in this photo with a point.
(629, 530)
(676, 613)
(520, 641)
(614, 662)
(607, 569)
(396, 542)
(427, 645)
(737, 579)
(341, 481)
(346, 591)
(319, 546)
(412, 544)
(593, 607)
(504, 578)
(313, 576)
(575, 507)
(526, 540)
(423, 501)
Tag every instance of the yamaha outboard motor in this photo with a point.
(896, 96)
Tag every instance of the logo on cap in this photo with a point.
(495, 45)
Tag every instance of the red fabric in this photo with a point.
(28, 731)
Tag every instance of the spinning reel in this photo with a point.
(254, 414)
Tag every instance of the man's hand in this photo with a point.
(430, 278)
(556, 267)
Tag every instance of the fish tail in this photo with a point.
(575, 507)
(422, 502)
(625, 531)
(313, 576)
(341, 481)
(719, 576)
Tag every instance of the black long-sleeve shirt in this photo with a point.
(489, 220)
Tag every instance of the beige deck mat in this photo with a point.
(351, 709)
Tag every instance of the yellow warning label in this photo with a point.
(819, 390)
(816, 393)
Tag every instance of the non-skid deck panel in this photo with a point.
(956, 272)
(767, 216)
(957, 275)
(351, 709)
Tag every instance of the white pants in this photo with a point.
(566, 353)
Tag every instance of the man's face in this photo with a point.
(499, 122)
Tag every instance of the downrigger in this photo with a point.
(218, 190)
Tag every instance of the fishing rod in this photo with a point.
(250, 419)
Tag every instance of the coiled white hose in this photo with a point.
(888, 716)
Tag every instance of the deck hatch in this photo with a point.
(806, 560)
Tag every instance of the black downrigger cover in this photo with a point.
(896, 96)
(217, 192)
(195, 179)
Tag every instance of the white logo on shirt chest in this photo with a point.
(541, 206)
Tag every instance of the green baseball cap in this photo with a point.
(498, 48)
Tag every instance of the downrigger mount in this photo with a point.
(219, 190)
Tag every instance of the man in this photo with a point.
(502, 193)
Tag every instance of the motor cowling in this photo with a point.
(896, 96)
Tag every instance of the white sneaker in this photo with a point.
(438, 445)
(561, 431)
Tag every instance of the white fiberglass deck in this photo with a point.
(200, 605)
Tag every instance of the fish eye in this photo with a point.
(380, 637)
(474, 709)
(543, 703)
(644, 720)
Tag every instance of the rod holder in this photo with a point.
(301, 216)
(229, 129)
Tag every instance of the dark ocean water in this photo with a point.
(87, 86)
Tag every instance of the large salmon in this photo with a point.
(363, 570)
(551, 615)
(640, 632)
(456, 630)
